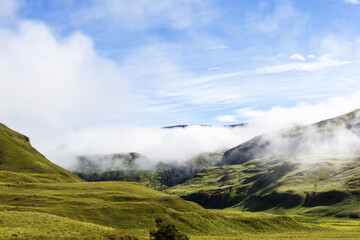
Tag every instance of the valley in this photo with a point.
(239, 196)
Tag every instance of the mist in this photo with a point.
(334, 139)
(174, 145)
(177, 145)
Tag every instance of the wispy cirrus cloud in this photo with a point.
(320, 63)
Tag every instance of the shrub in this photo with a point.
(166, 231)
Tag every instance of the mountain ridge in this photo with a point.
(294, 174)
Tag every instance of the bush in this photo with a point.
(166, 231)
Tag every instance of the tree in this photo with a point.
(166, 231)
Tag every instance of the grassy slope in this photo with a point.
(32, 225)
(44, 206)
(20, 162)
(292, 185)
(133, 208)
(324, 189)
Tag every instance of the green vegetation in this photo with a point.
(33, 225)
(166, 231)
(133, 207)
(282, 176)
(20, 162)
(330, 188)
(39, 200)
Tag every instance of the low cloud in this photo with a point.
(166, 145)
(181, 144)
(314, 144)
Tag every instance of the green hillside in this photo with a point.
(20, 162)
(133, 208)
(46, 202)
(33, 225)
(262, 175)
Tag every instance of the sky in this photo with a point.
(84, 77)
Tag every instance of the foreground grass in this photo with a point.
(31, 225)
(331, 228)
(115, 210)
(133, 208)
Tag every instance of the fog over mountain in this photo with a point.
(181, 144)
(339, 136)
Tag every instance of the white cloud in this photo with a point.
(323, 62)
(353, 2)
(297, 57)
(311, 56)
(217, 47)
(181, 144)
(249, 113)
(50, 85)
(226, 118)
(282, 117)
(157, 144)
(205, 79)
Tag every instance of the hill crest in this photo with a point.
(20, 162)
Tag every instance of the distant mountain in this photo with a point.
(299, 140)
(311, 170)
(20, 162)
(135, 167)
(204, 125)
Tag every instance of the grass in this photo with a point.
(133, 208)
(329, 188)
(20, 162)
(32, 225)
(331, 228)
(39, 200)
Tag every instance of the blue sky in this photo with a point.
(196, 60)
(68, 65)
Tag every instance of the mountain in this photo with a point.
(301, 140)
(135, 167)
(40, 200)
(312, 170)
(47, 202)
(20, 162)
(204, 125)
